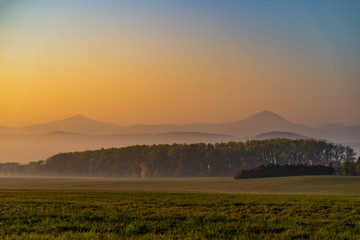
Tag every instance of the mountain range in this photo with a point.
(79, 133)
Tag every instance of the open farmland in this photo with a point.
(112, 215)
(63, 208)
(281, 185)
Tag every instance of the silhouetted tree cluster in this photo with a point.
(184, 160)
(276, 170)
(349, 168)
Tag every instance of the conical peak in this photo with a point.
(264, 115)
(78, 117)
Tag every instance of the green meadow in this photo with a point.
(312, 207)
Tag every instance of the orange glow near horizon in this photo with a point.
(147, 71)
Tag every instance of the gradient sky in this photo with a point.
(131, 62)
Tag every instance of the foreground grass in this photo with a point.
(187, 208)
(31, 214)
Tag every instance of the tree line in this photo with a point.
(276, 170)
(185, 160)
(350, 168)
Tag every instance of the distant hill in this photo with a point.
(77, 123)
(57, 132)
(331, 126)
(265, 121)
(259, 123)
(81, 133)
(6, 130)
(277, 134)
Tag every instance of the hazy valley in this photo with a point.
(78, 133)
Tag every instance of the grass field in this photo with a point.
(39, 208)
(282, 185)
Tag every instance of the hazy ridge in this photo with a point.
(79, 133)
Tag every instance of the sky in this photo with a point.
(154, 62)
